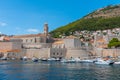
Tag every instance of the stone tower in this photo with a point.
(46, 29)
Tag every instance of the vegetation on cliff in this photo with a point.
(105, 18)
(114, 43)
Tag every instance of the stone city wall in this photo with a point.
(58, 52)
(39, 53)
(76, 53)
(107, 52)
(111, 52)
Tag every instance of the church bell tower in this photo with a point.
(46, 29)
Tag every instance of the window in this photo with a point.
(31, 40)
(57, 53)
(35, 40)
(26, 40)
(53, 53)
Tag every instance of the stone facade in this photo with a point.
(107, 52)
(76, 53)
(11, 48)
(38, 53)
(43, 46)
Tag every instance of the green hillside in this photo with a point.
(105, 18)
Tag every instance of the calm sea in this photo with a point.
(18, 70)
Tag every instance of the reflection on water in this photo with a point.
(18, 70)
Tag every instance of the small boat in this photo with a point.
(63, 60)
(51, 59)
(77, 59)
(24, 58)
(87, 61)
(118, 62)
(57, 59)
(13, 58)
(68, 61)
(107, 62)
(34, 59)
(3, 58)
(44, 59)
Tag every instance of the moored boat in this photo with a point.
(107, 62)
(44, 59)
(88, 61)
(118, 62)
(68, 60)
(34, 59)
(24, 58)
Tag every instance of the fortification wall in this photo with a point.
(39, 53)
(111, 52)
(76, 53)
(107, 52)
(58, 52)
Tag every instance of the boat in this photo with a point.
(34, 59)
(77, 59)
(63, 60)
(88, 61)
(68, 60)
(117, 62)
(24, 58)
(44, 59)
(13, 58)
(3, 58)
(51, 59)
(107, 62)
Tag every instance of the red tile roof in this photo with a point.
(29, 35)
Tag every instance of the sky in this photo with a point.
(18, 17)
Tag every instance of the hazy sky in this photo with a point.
(29, 16)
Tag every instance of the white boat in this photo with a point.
(24, 58)
(13, 58)
(51, 59)
(118, 62)
(88, 61)
(68, 60)
(107, 62)
(63, 60)
(34, 59)
(3, 58)
(44, 59)
(71, 60)
(77, 59)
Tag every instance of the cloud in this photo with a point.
(33, 30)
(3, 24)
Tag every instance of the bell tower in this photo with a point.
(46, 29)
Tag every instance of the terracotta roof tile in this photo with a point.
(29, 35)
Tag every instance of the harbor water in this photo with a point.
(22, 70)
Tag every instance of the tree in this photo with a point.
(114, 43)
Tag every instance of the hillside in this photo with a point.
(104, 18)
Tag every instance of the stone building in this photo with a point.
(101, 44)
(11, 48)
(42, 45)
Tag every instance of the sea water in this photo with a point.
(22, 70)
